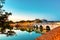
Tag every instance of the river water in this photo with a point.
(20, 35)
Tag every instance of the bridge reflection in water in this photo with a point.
(19, 35)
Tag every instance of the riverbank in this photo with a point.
(51, 35)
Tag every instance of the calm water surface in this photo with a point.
(21, 35)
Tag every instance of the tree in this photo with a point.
(22, 21)
(38, 21)
(17, 26)
(44, 20)
(4, 17)
(4, 21)
(1, 3)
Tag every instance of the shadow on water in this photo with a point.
(12, 33)
(9, 33)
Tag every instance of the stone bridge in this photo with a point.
(51, 25)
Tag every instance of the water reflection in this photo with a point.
(19, 35)
(10, 33)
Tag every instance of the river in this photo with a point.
(20, 35)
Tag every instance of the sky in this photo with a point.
(33, 9)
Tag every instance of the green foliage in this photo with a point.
(38, 20)
(8, 13)
(4, 20)
(22, 29)
(1, 3)
(4, 23)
